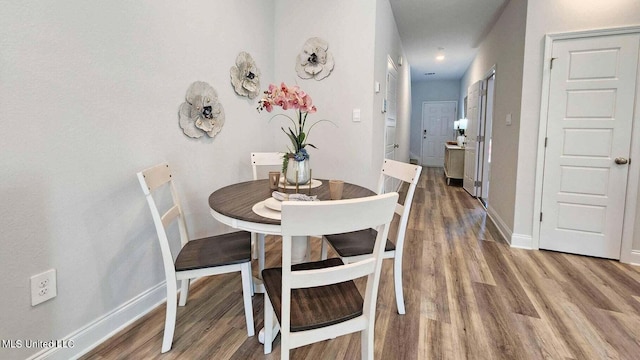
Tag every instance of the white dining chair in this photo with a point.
(213, 255)
(353, 246)
(262, 159)
(318, 301)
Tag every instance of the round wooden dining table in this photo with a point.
(233, 205)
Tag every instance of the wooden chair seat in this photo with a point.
(356, 243)
(317, 307)
(225, 249)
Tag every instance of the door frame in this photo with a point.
(485, 122)
(627, 254)
(453, 132)
(390, 184)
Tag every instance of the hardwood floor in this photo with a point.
(468, 296)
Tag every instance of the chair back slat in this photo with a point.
(333, 217)
(265, 159)
(399, 209)
(332, 275)
(401, 171)
(170, 215)
(155, 177)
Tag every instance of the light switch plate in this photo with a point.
(508, 121)
(356, 115)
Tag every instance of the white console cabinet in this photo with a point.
(453, 162)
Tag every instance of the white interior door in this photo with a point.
(437, 128)
(591, 104)
(389, 107)
(471, 147)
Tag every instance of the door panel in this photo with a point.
(591, 99)
(471, 146)
(437, 128)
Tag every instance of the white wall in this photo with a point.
(544, 17)
(434, 90)
(504, 48)
(89, 96)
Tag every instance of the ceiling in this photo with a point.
(456, 26)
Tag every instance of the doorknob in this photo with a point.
(395, 146)
(621, 161)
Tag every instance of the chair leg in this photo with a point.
(366, 341)
(323, 249)
(397, 284)
(184, 291)
(268, 324)
(246, 294)
(260, 254)
(254, 246)
(170, 319)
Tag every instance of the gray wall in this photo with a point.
(504, 48)
(90, 95)
(360, 35)
(434, 90)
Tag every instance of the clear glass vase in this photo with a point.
(303, 171)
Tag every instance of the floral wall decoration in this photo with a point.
(245, 76)
(314, 61)
(201, 113)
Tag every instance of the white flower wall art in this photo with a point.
(245, 76)
(201, 113)
(314, 61)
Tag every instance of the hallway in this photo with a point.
(468, 296)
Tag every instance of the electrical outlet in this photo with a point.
(43, 287)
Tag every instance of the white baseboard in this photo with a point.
(633, 258)
(96, 332)
(522, 241)
(502, 227)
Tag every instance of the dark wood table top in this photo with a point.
(237, 200)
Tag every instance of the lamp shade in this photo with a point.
(456, 125)
(462, 124)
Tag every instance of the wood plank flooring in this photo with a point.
(468, 296)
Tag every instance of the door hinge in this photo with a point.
(483, 93)
(545, 141)
(480, 138)
(551, 63)
(540, 216)
(629, 161)
(477, 183)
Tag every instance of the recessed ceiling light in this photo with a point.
(440, 54)
(430, 73)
